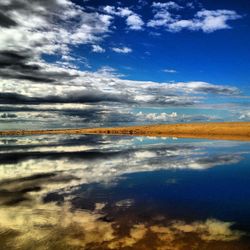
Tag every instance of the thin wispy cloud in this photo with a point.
(170, 71)
(122, 50)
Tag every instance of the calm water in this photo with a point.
(98, 192)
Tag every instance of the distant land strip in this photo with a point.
(218, 130)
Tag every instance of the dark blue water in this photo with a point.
(112, 192)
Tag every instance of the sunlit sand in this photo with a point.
(219, 130)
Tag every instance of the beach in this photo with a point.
(218, 130)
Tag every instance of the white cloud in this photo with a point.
(133, 20)
(171, 117)
(212, 20)
(162, 17)
(199, 87)
(167, 5)
(170, 71)
(111, 99)
(110, 10)
(122, 50)
(156, 116)
(244, 115)
(107, 71)
(124, 12)
(97, 49)
(204, 20)
(143, 92)
(37, 28)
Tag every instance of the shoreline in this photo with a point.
(213, 130)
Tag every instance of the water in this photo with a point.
(116, 192)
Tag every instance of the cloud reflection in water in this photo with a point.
(40, 185)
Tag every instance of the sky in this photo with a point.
(88, 63)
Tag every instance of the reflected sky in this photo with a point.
(118, 192)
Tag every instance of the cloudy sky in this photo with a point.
(91, 63)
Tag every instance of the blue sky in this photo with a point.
(99, 63)
(220, 56)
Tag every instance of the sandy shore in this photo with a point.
(220, 130)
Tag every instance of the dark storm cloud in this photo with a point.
(15, 59)
(172, 101)
(15, 158)
(14, 65)
(10, 108)
(21, 54)
(93, 96)
(28, 5)
(219, 90)
(89, 114)
(17, 65)
(6, 21)
(7, 144)
(14, 98)
(82, 116)
(8, 115)
(107, 116)
(33, 78)
(17, 190)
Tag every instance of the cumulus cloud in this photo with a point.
(97, 49)
(171, 117)
(42, 32)
(204, 20)
(157, 116)
(133, 20)
(212, 20)
(244, 115)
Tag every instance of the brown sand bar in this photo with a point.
(218, 130)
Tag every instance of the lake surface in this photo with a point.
(118, 192)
